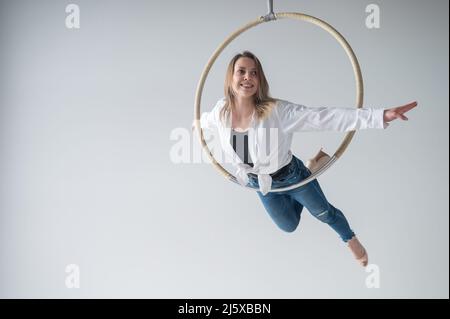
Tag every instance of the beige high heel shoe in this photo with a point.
(317, 161)
(358, 250)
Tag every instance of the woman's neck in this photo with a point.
(244, 107)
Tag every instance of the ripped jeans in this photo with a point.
(286, 207)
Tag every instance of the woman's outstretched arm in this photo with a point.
(398, 112)
(296, 117)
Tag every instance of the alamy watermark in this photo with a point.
(186, 147)
(73, 276)
(373, 19)
(73, 17)
(373, 279)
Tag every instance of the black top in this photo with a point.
(239, 141)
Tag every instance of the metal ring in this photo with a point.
(287, 15)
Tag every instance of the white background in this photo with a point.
(87, 179)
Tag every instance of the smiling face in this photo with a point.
(245, 81)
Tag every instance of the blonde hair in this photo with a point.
(263, 102)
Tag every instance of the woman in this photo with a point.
(256, 134)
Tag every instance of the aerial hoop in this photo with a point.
(271, 16)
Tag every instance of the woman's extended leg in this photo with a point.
(283, 209)
(312, 197)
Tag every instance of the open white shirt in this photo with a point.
(269, 140)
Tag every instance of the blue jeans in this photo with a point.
(286, 207)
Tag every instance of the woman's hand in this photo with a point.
(397, 112)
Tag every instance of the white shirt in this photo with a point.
(270, 140)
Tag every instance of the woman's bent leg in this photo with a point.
(283, 209)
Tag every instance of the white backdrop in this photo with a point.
(87, 177)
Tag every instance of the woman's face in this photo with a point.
(245, 78)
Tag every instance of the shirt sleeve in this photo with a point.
(210, 120)
(300, 118)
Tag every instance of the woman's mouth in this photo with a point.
(247, 86)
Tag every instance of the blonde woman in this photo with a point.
(256, 134)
